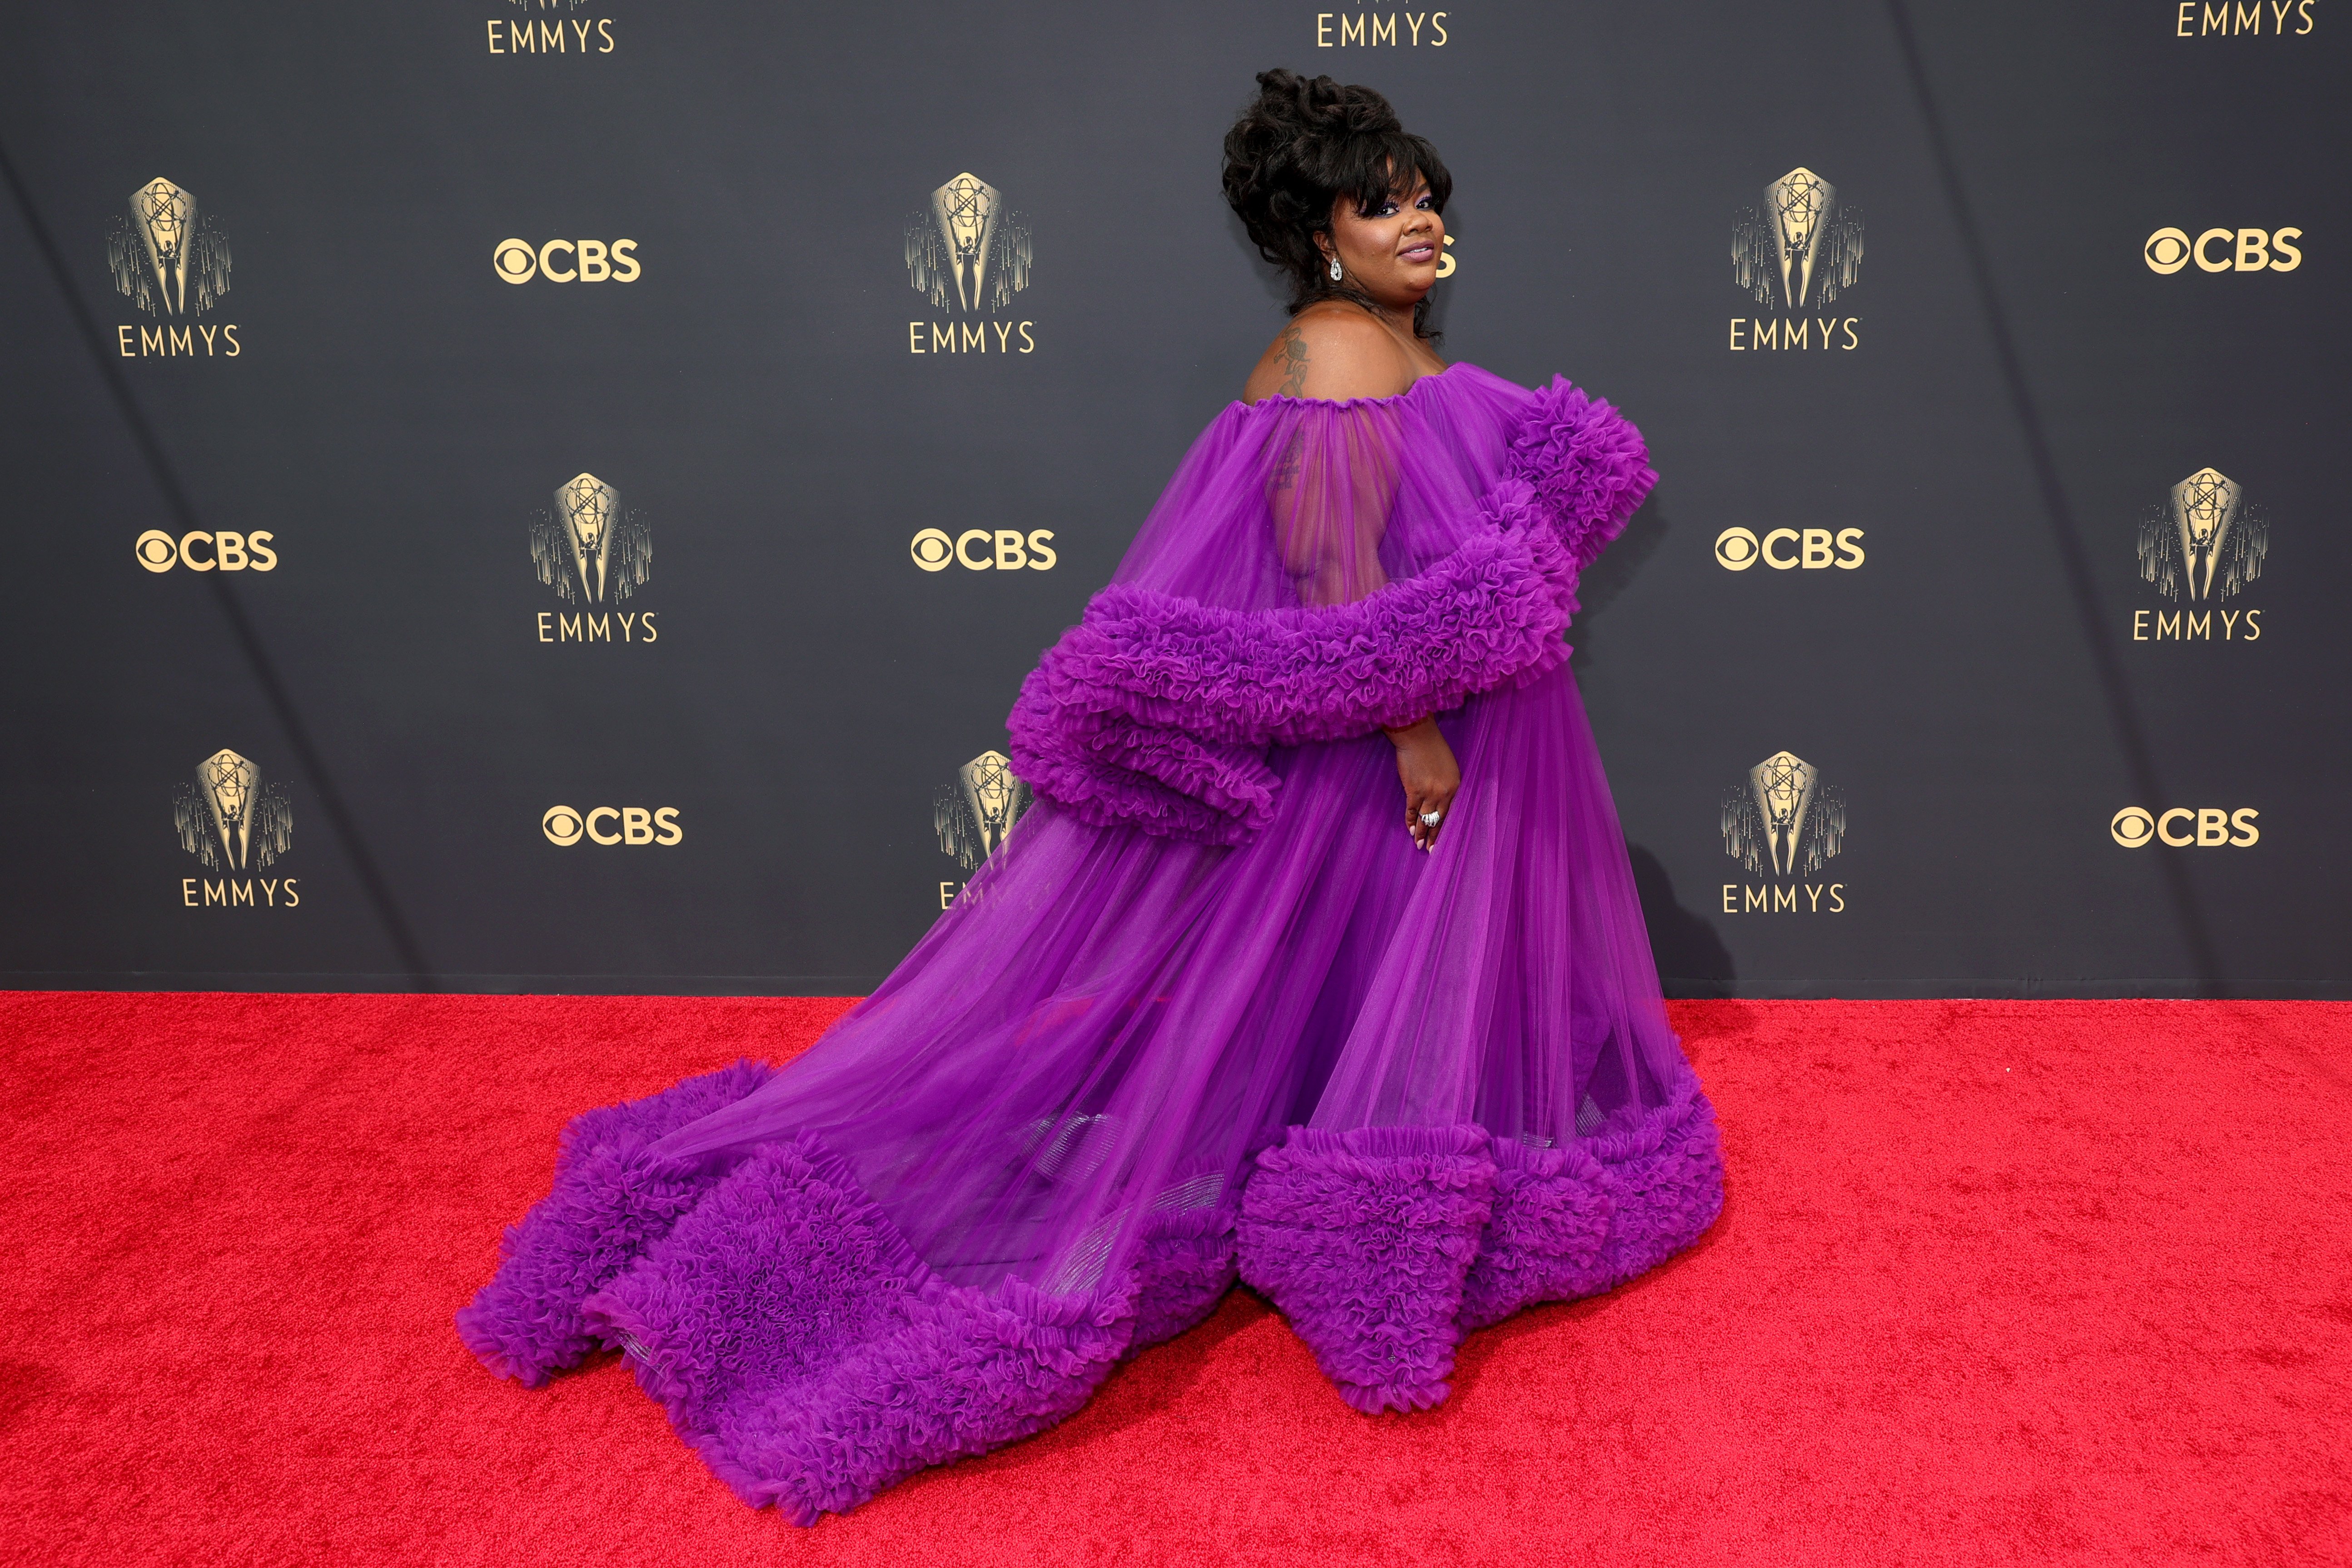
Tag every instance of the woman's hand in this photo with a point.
(1431, 775)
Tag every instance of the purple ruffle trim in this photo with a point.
(1155, 712)
(811, 1359)
(1581, 1218)
(1585, 466)
(1385, 1245)
(611, 1202)
(1363, 1239)
(1182, 1269)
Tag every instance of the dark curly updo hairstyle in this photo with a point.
(1306, 142)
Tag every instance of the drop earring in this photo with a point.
(1336, 273)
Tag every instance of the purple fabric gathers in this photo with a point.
(1207, 1013)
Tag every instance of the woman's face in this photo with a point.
(1392, 251)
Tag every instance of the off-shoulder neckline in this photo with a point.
(1419, 381)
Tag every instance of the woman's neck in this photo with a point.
(1397, 319)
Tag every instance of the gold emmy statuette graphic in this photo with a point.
(1802, 239)
(972, 814)
(967, 251)
(166, 259)
(2206, 543)
(230, 819)
(1784, 823)
(587, 548)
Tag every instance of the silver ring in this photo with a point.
(1431, 819)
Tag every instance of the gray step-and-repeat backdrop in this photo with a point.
(559, 494)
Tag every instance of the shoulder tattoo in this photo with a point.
(1293, 343)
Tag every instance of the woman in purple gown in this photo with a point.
(1227, 1002)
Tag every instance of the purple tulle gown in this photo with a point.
(1208, 1012)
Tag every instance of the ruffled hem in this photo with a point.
(1155, 712)
(811, 1359)
(1363, 1239)
(1583, 1217)
(1384, 1246)
(611, 1200)
(801, 1346)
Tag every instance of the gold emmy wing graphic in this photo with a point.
(972, 814)
(1782, 823)
(967, 251)
(230, 819)
(2206, 544)
(588, 549)
(1801, 240)
(168, 262)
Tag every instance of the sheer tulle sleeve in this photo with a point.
(1315, 570)
(1328, 498)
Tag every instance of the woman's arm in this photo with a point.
(1431, 776)
(1330, 504)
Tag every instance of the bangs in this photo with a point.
(1377, 166)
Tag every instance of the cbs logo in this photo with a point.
(1002, 550)
(636, 824)
(1738, 549)
(586, 260)
(2208, 827)
(2168, 250)
(202, 552)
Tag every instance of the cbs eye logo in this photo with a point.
(1003, 549)
(202, 552)
(567, 260)
(611, 825)
(2208, 827)
(2168, 250)
(1738, 549)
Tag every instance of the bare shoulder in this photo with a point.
(1331, 350)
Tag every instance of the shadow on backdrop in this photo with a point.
(2131, 735)
(341, 821)
(1691, 960)
(1601, 583)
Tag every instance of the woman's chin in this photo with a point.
(1402, 291)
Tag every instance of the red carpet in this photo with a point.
(1998, 1282)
